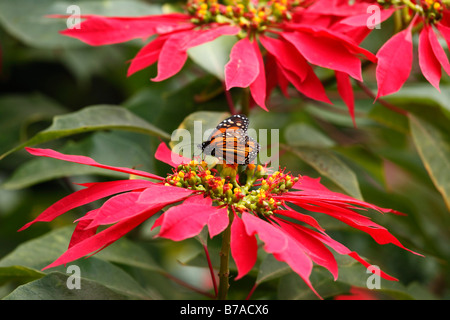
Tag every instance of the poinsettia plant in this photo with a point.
(217, 200)
(349, 117)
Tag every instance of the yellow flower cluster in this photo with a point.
(433, 10)
(255, 192)
(243, 13)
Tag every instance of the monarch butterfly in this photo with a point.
(230, 141)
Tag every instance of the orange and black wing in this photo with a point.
(231, 124)
(230, 142)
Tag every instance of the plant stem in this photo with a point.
(224, 271)
(229, 100)
(211, 270)
(245, 101)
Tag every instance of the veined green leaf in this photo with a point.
(102, 117)
(329, 165)
(213, 56)
(434, 149)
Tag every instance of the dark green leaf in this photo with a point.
(434, 149)
(93, 118)
(19, 274)
(213, 56)
(54, 287)
(101, 146)
(329, 165)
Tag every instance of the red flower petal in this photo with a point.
(207, 35)
(313, 189)
(100, 240)
(173, 53)
(299, 261)
(286, 55)
(341, 249)
(438, 51)
(345, 90)
(243, 67)
(97, 30)
(164, 154)
(82, 232)
(163, 194)
(281, 245)
(147, 56)
(187, 220)
(172, 57)
(300, 217)
(311, 86)
(218, 221)
(361, 20)
(274, 239)
(119, 208)
(394, 63)
(322, 49)
(429, 64)
(88, 161)
(94, 192)
(311, 246)
(244, 248)
(275, 76)
(258, 87)
(317, 198)
(445, 32)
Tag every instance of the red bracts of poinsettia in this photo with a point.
(290, 236)
(395, 57)
(270, 42)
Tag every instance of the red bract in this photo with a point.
(199, 197)
(399, 51)
(282, 24)
(395, 57)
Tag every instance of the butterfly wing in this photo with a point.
(235, 122)
(230, 142)
(252, 148)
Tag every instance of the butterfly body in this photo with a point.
(230, 141)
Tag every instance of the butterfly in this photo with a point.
(230, 141)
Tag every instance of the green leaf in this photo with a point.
(18, 112)
(292, 287)
(26, 261)
(27, 19)
(270, 268)
(434, 149)
(101, 146)
(127, 253)
(102, 117)
(351, 274)
(389, 118)
(214, 55)
(54, 287)
(422, 95)
(19, 274)
(366, 160)
(329, 165)
(303, 134)
(40, 252)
